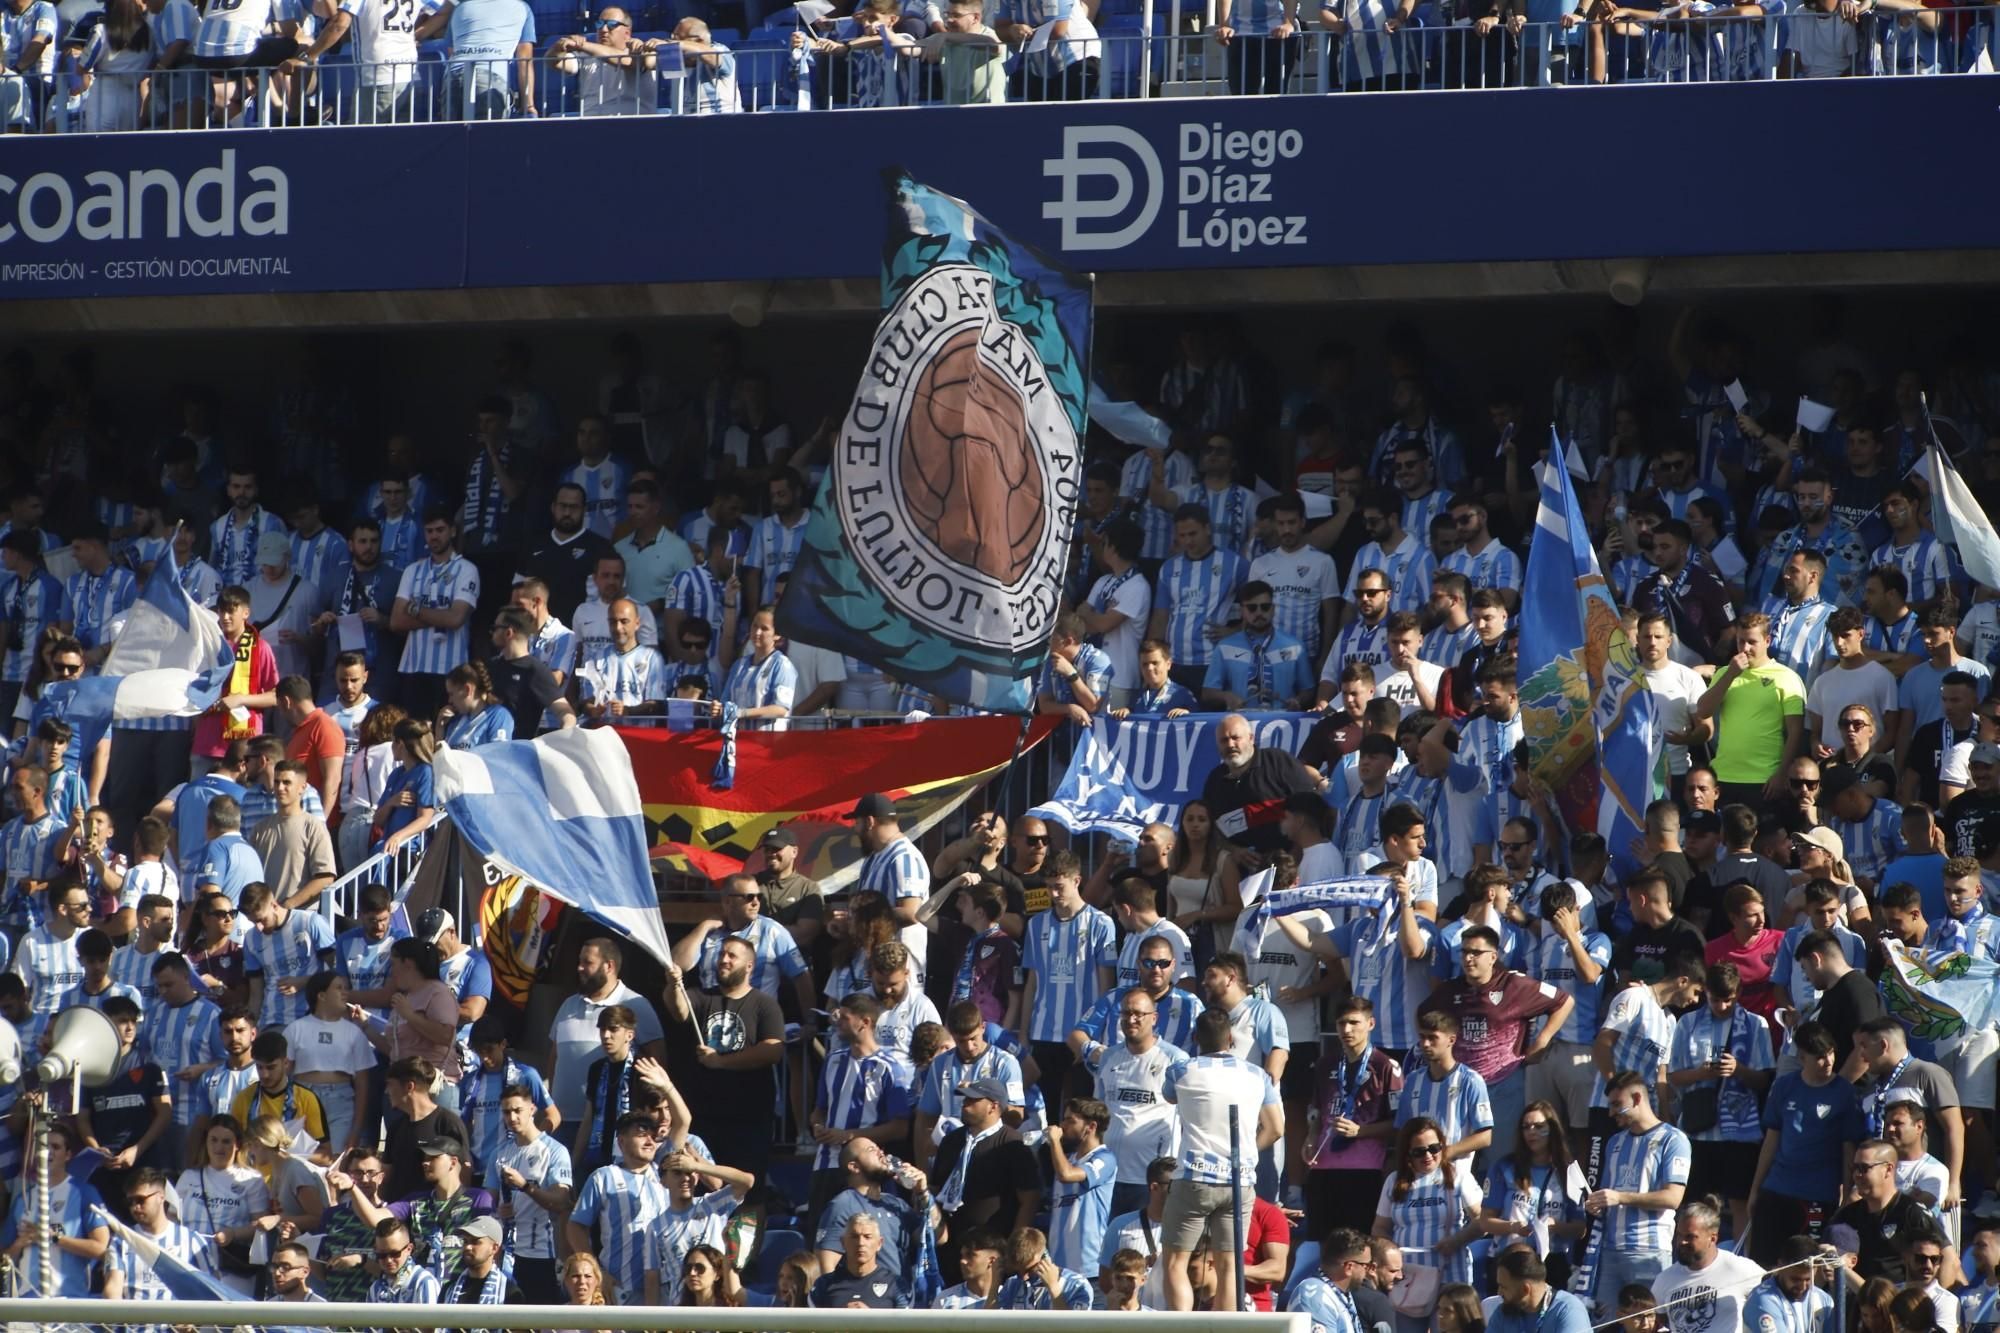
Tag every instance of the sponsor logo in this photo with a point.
(1134, 197)
(150, 204)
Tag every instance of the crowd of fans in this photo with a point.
(135, 64)
(1022, 1070)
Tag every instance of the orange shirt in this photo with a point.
(313, 742)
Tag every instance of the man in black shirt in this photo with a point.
(739, 1039)
(1656, 934)
(858, 1282)
(1972, 820)
(566, 555)
(1930, 771)
(999, 1186)
(1847, 998)
(1884, 1221)
(525, 685)
(1245, 793)
(407, 1085)
(1739, 862)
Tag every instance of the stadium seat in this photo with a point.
(727, 36)
(778, 1247)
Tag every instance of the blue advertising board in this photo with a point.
(1220, 183)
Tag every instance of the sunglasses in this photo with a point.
(1427, 1150)
(693, 646)
(1257, 606)
(1156, 964)
(1805, 784)
(1035, 839)
(223, 914)
(1506, 846)
(1853, 723)
(603, 24)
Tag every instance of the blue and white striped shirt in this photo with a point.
(215, 1092)
(545, 1163)
(1798, 635)
(1420, 513)
(1198, 593)
(625, 1204)
(491, 723)
(1232, 513)
(234, 544)
(695, 592)
(1495, 567)
(1175, 1013)
(856, 1091)
(131, 968)
(1301, 582)
(1092, 663)
(413, 1285)
(1459, 1103)
(179, 1037)
(435, 585)
(947, 1073)
(1394, 983)
(1358, 641)
(1431, 1211)
(754, 684)
(1135, 481)
(1901, 637)
(1409, 569)
(676, 1231)
(1128, 952)
(1872, 841)
(603, 484)
(776, 955)
(1640, 1164)
(292, 950)
(1700, 1037)
(365, 962)
(96, 600)
(1925, 562)
(1065, 958)
(1447, 646)
(1331, 1309)
(48, 967)
(554, 646)
(634, 677)
(1554, 964)
(479, 1096)
(402, 541)
(1645, 1037)
(897, 872)
(1360, 822)
(30, 606)
(1079, 1211)
(1019, 1293)
(142, 1282)
(321, 559)
(774, 549)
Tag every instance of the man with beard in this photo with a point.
(1494, 1007)
(739, 1038)
(573, 1038)
(1328, 1295)
(1972, 820)
(1245, 793)
(566, 558)
(1528, 1304)
(1259, 668)
(1846, 554)
(1691, 596)
(775, 541)
(1704, 1280)
(867, 1169)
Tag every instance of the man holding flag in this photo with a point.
(157, 1258)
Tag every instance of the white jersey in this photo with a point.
(1300, 580)
(1275, 962)
(235, 30)
(1144, 1125)
(432, 585)
(592, 628)
(385, 34)
(1711, 1299)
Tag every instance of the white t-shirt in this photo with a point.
(320, 1047)
(1400, 687)
(1825, 43)
(1276, 962)
(1835, 688)
(816, 667)
(1726, 1283)
(1300, 581)
(1675, 689)
(1128, 593)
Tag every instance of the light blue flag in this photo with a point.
(561, 810)
(1938, 996)
(168, 661)
(1593, 733)
(1129, 423)
(1959, 522)
(937, 548)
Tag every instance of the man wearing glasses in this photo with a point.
(1494, 1006)
(1480, 556)
(128, 1275)
(614, 72)
(403, 1281)
(1327, 1295)
(1884, 1221)
(1259, 668)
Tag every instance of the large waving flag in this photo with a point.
(938, 543)
(808, 781)
(169, 660)
(182, 1280)
(562, 811)
(1960, 522)
(1593, 733)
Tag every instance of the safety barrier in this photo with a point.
(342, 898)
(1360, 45)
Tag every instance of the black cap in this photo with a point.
(779, 837)
(1835, 781)
(444, 1145)
(874, 805)
(1702, 821)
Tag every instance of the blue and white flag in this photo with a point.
(1126, 775)
(1594, 735)
(181, 1279)
(1960, 523)
(562, 811)
(169, 660)
(1938, 996)
(937, 548)
(1129, 423)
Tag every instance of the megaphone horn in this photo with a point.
(82, 1042)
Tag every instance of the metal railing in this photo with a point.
(342, 898)
(1129, 55)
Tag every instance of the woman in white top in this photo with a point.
(332, 1056)
(362, 781)
(1429, 1208)
(225, 1198)
(119, 54)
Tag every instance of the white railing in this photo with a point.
(620, 1318)
(342, 898)
(1136, 53)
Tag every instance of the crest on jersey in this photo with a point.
(1493, 997)
(937, 549)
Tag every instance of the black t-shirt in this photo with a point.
(1248, 806)
(1164, 901)
(405, 1166)
(1679, 872)
(1759, 872)
(566, 567)
(1642, 954)
(839, 1289)
(1847, 1004)
(1972, 824)
(525, 688)
(121, 1110)
(1881, 1234)
(1001, 1167)
(730, 1026)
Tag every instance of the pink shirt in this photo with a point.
(435, 1001)
(1753, 963)
(1493, 1020)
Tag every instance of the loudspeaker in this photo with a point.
(82, 1043)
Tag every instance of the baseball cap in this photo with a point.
(1985, 752)
(482, 1228)
(988, 1089)
(274, 548)
(1825, 839)
(779, 837)
(444, 1145)
(1837, 780)
(1702, 821)
(874, 805)
(433, 922)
